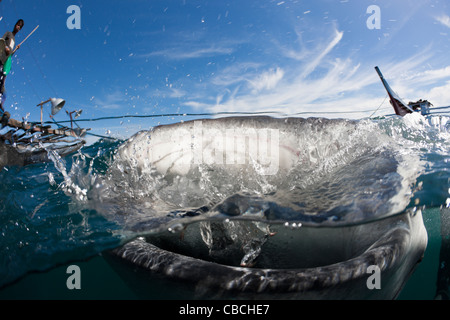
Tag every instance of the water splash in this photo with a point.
(332, 172)
(346, 172)
(324, 165)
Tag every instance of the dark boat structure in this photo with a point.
(23, 143)
(400, 107)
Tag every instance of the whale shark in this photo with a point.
(330, 264)
(262, 207)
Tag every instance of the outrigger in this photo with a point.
(401, 108)
(27, 143)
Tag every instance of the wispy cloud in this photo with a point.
(181, 52)
(444, 20)
(267, 80)
(184, 45)
(319, 82)
(314, 63)
(290, 89)
(440, 96)
(433, 85)
(111, 101)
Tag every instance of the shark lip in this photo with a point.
(395, 253)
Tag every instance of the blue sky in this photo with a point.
(143, 57)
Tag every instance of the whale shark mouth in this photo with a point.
(300, 204)
(309, 263)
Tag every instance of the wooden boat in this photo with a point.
(27, 143)
(400, 107)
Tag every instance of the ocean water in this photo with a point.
(337, 174)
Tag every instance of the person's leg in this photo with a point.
(2, 88)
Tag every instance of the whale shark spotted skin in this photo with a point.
(229, 186)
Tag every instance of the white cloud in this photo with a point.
(411, 84)
(112, 101)
(430, 76)
(315, 80)
(440, 96)
(330, 92)
(177, 93)
(188, 45)
(444, 20)
(236, 73)
(313, 64)
(180, 53)
(292, 89)
(267, 80)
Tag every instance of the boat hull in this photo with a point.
(15, 156)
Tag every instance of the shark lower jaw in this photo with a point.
(392, 247)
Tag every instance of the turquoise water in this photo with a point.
(51, 217)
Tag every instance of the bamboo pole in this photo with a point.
(24, 126)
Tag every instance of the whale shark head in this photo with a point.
(264, 206)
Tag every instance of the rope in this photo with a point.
(379, 106)
(438, 108)
(207, 114)
(59, 123)
(104, 137)
(216, 114)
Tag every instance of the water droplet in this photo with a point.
(175, 228)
